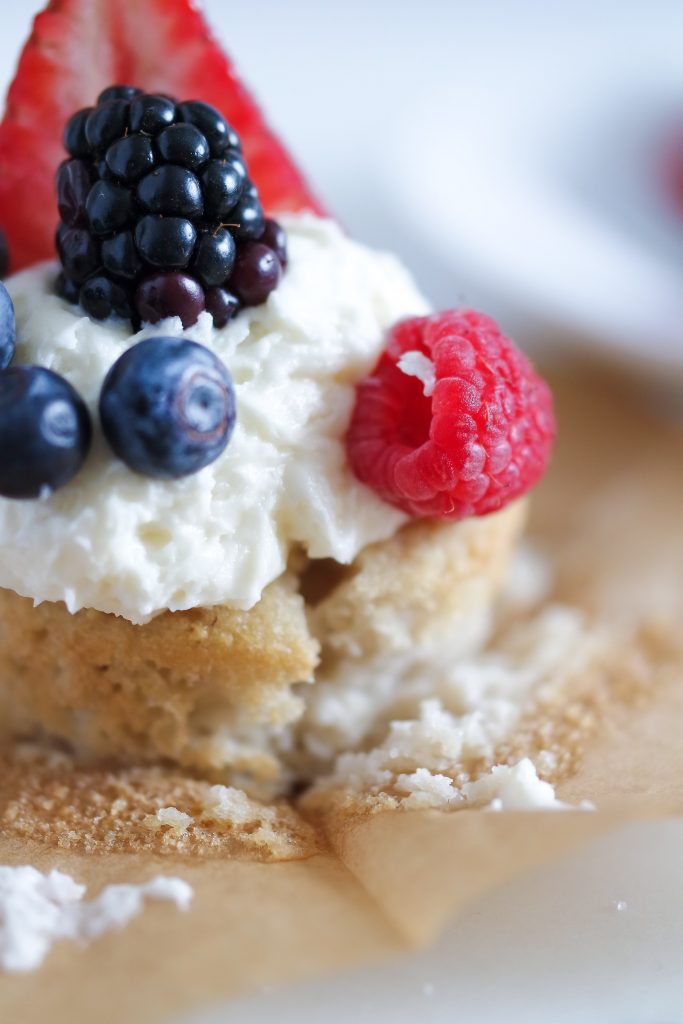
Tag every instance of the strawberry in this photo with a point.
(77, 48)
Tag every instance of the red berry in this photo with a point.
(162, 46)
(480, 437)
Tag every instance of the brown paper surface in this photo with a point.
(609, 517)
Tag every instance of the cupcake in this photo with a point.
(245, 463)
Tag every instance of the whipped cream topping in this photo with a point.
(134, 546)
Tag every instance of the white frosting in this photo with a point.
(124, 543)
(37, 909)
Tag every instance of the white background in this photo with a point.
(396, 110)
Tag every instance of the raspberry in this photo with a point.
(453, 421)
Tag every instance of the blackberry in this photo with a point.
(221, 305)
(158, 214)
(257, 271)
(100, 297)
(4, 255)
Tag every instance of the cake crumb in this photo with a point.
(37, 909)
(176, 820)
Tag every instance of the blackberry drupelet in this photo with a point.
(4, 255)
(158, 215)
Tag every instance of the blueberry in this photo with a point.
(257, 272)
(165, 242)
(128, 159)
(68, 289)
(8, 328)
(248, 215)
(118, 92)
(151, 114)
(275, 238)
(45, 431)
(222, 306)
(75, 141)
(4, 254)
(120, 257)
(222, 187)
(170, 294)
(74, 181)
(109, 207)
(182, 144)
(78, 252)
(101, 298)
(172, 190)
(214, 257)
(211, 124)
(167, 407)
(106, 123)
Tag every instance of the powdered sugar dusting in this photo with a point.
(37, 909)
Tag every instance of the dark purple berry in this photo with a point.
(109, 207)
(103, 172)
(182, 144)
(160, 187)
(68, 289)
(74, 181)
(151, 114)
(4, 255)
(167, 407)
(248, 216)
(257, 272)
(275, 238)
(106, 123)
(165, 242)
(45, 432)
(222, 188)
(118, 92)
(101, 298)
(120, 257)
(128, 159)
(75, 141)
(236, 158)
(222, 306)
(79, 253)
(172, 190)
(214, 257)
(8, 328)
(211, 124)
(162, 295)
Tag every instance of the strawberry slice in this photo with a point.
(76, 49)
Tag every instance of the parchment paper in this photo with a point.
(609, 517)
